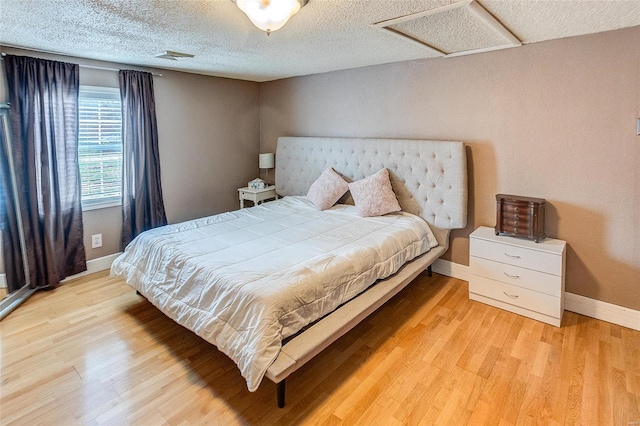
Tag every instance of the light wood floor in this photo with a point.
(93, 352)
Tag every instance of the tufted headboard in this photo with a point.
(428, 177)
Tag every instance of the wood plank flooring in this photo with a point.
(94, 352)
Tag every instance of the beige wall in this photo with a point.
(554, 120)
(208, 132)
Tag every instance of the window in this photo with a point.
(100, 147)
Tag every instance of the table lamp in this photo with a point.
(267, 161)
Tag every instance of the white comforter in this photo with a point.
(244, 280)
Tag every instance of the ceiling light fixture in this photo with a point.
(270, 15)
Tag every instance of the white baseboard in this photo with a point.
(3, 280)
(450, 269)
(582, 305)
(95, 265)
(602, 310)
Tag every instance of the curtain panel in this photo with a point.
(142, 203)
(44, 122)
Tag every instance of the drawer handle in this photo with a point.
(513, 277)
(513, 256)
(510, 296)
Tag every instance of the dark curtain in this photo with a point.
(142, 204)
(11, 247)
(44, 141)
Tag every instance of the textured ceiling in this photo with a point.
(325, 35)
(453, 31)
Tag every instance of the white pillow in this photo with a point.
(374, 195)
(327, 189)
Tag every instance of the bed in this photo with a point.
(274, 285)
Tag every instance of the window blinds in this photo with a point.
(100, 146)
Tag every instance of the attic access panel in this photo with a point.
(460, 28)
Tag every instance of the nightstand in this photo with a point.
(256, 195)
(518, 275)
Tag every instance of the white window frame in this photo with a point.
(106, 93)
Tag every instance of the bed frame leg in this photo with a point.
(429, 271)
(280, 391)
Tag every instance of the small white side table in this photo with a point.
(256, 195)
(517, 274)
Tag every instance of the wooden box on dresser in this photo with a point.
(520, 216)
(518, 275)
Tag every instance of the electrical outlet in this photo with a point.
(96, 241)
(638, 127)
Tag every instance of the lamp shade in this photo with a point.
(270, 15)
(267, 161)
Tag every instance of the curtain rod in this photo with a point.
(95, 67)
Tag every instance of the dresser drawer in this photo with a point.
(517, 296)
(524, 217)
(515, 230)
(517, 208)
(517, 256)
(516, 223)
(515, 275)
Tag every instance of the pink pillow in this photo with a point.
(327, 189)
(374, 196)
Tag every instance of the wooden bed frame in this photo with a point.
(429, 179)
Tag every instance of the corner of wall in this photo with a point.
(260, 117)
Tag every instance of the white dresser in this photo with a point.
(518, 275)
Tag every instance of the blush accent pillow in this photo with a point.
(327, 189)
(374, 195)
